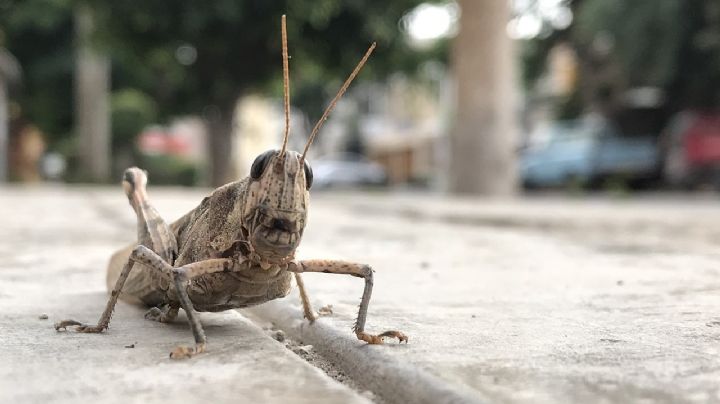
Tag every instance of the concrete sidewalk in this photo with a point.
(543, 300)
(598, 301)
(55, 246)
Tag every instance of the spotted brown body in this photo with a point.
(255, 223)
(236, 249)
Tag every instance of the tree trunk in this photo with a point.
(92, 93)
(220, 128)
(483, 143)
(4, 130)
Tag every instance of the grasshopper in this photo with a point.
(236, 249)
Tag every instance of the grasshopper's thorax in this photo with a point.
(276, 206)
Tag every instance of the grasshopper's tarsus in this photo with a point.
(378, 339)
(184, 352)
(90, 329)
(64, 324)
(236, 249)
(80, 327)
(394, 334)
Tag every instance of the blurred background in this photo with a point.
(599, 282)
(481, 97)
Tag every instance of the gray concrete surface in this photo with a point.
(55, 244)
(540, 300)
(546, 300)
(369, 366)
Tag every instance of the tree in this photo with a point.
(92, 98)
(39, 33)
(483, 140)
(671, 45)
(199, 57)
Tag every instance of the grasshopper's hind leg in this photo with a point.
(153, 234)
(152, 230)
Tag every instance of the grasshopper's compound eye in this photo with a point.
(308, 175)
(260, 163)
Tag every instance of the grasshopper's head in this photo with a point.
(277, 201)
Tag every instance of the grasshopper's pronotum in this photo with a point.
(234, 250)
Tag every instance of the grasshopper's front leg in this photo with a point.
(181, 277)
(140, 254)
(357, 270)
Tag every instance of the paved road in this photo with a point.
(542, 300)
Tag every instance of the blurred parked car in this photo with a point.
(347, 170)
(691, 145)
(587, 152)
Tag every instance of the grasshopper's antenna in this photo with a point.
(340, 93)
(286, 86)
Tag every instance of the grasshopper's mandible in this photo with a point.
(234, 250)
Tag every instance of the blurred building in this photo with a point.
(399, 123)
(185, 138)
(404, 127)
(556, 85)
(259, 126)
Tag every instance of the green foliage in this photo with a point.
(171, 170)
(534, 55)
(132, 110)
(570, 107)
(237, 45)
(670, 44)
(39, 34)
(643, 36)
(697, 81)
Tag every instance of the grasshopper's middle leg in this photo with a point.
(307, 307)
(357, 270)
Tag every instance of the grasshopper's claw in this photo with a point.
(395, 334)
(378, 339)
(183, 352)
